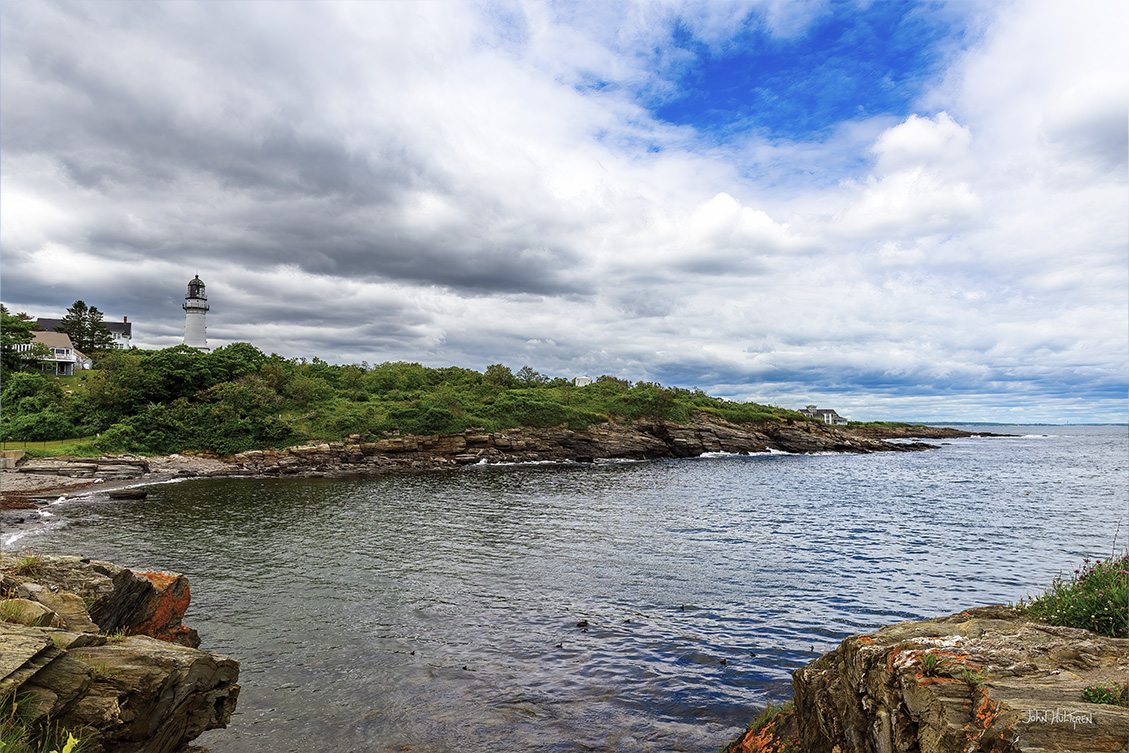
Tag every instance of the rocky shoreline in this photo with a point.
(100, 650)
(31, 479)
(986, 679)
(905, 431)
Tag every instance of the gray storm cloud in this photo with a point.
(458, 184)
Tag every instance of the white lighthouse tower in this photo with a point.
(195, 307)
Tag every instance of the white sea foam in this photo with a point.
(12, 538)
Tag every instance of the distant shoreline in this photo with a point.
(40, 481)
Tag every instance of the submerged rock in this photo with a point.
(125, 691)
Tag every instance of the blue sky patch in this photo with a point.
(852, 63)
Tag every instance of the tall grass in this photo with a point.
(19, 735)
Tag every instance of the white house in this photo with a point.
(826, 415)
(63, 358)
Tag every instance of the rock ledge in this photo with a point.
(1006, 685)
(97, 648)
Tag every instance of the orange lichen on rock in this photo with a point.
(923, 680)
(982, 719)
(166, 609)
(892, 657)
(776, 736)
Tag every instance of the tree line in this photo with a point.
(238, 398)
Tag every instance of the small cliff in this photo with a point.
(100, 649)
(640, 440)
(915, 431)
(982, 680)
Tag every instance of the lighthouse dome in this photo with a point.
(196, 288)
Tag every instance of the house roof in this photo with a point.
(116, 328)
(53, 339)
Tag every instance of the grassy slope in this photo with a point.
(237, 398)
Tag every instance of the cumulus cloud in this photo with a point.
(1087, 123)
(468, 184)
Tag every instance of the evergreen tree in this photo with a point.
(84, 326)
(15, 329)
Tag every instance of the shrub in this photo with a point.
(1095, 597)
(40, 427)
(1114, 694)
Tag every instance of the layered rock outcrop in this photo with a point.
(79, 646)
(982, 680)
(638, 441)
(916, 431)
(107, 468)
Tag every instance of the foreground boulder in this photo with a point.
(982, 680)
(77, 647)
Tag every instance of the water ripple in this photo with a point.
(605, 607)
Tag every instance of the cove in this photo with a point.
(441, 611)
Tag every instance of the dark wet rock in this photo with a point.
(131, 493)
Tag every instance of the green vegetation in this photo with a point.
(12, 611)
(773, 729)
(15, 329)
(237, 398)
(934, 665)
(970, 677)
(83, 324)
(54, 448)
(768, 713)
(116, 636)
(100, 670)
(1114, 694)
(30, 564)
(1095, 597)
(19, 735)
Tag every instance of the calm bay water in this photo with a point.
(440, 612)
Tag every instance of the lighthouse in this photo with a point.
(195, 307)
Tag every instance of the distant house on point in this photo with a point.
(826, 415)
(582, 381)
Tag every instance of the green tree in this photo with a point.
(83, 324)
(500, 375)
(15, 329)
(530, 378)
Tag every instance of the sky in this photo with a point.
(901, 210)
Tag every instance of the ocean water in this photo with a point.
(611, 607)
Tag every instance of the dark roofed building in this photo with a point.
(122, 331)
